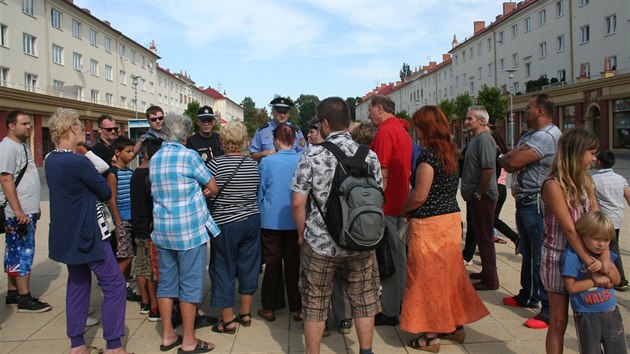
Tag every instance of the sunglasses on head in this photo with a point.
(114, 129)
(155, 119)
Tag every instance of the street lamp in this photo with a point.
(511, 120)
(134, 84)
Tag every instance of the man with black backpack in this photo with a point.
(341, 180)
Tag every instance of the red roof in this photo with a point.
(213, 93)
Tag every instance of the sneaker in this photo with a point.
(467, 263)
(145, 308)
(326, 331)
(132, 296)
(511, 301)
(621, 287)
(12, 298)
(92, 321)
(32, 305)
(345, 326)
(383, 320)
(154, 316)
(537, 322)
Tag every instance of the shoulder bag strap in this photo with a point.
(226, 183)
(20, 175)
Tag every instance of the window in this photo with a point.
(479, 72)
(456, 59)
(528, 69)
(132, 56)
(584, 2)
(585, 32)
(562, 75)
(76, 61)
(456, 80)
(58, 85)
(542, 50)
(500, 40)
(27, 7)
(76, 28)
(121, 50)
(93, 36)
(470, 52)
(515, 60)
(514, 30)
(30, 82)
(479, 48)
(55, 18)
(151, 89)
(560, 8)
(472, 87)
(143, 85)
(611, 24)
(133, 103)
(122, 77)
(93, 67)
(528, 24)
(29, 44)
(613, 62)
(489, 44)
(107, 43)
(502, 64)
(123, 101)
(108, 73)
(94, 96)
(79, 92)
(585, 70)
(542, 17)
(109, 98)
(490, 69)
(57, 53)
(463, 56)
(3, 35)
(4, 76)
(560, 41)
(142, 61)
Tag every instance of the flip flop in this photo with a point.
(201, 347)
(95, 350)
(499, 240)
(178, 341)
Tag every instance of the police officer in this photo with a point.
(262, 143)
(206, 141)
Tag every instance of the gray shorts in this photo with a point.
(600, 329)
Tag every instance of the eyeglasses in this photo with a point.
(114, 129)
(155, 119)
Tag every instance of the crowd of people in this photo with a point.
(263, 214)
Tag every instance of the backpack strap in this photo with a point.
(336, 150)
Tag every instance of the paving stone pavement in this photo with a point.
(503, 331)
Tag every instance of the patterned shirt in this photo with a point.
(442, 198)
(238, 200)
(314, 173)
(123, 191)
(181, 219)
(553, 237)
(609, 188)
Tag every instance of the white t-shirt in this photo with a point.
(12, 160)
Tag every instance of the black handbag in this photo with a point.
(3, 217)
(386, 266)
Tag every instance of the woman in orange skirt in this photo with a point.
(439, 299)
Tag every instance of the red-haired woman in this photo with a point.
(280, 249)
(439, 299)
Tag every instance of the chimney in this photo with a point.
(479, 26)
(86, 10)
(107, 23)
(508, 7)
(446, 57)
(432, 64)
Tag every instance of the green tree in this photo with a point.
(191, 111)
(493, 101)
(250, 116)
(405, 72)
(462, 102)
(448, 107)
(353, 102)
(306, 106)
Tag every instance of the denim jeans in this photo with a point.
(530, 225)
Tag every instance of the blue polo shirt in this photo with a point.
(274, 193)
(263, 138)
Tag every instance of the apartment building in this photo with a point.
(580, 46)
(55, 54)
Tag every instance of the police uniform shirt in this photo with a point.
(263, 139)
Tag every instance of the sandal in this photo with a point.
(458, 335)
(431, 344)
(500, 240)
(178, 341)
(267, 315)
(200, 347)
(224, 327)
(240, 319)
(95, 350)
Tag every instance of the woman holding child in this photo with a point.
(439, 299)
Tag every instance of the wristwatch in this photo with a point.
(477, 196)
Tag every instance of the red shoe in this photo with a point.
(537, 322)
(511, 301)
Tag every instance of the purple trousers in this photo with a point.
(482, 218)
(78, 289)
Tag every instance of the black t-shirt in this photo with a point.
(141, 204)
(103, 151)
(208, 148)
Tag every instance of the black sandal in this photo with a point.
(245, 323)
(224, 327)
(431, 344)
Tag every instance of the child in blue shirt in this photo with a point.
(597, 319)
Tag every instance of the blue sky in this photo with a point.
(265, 48)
